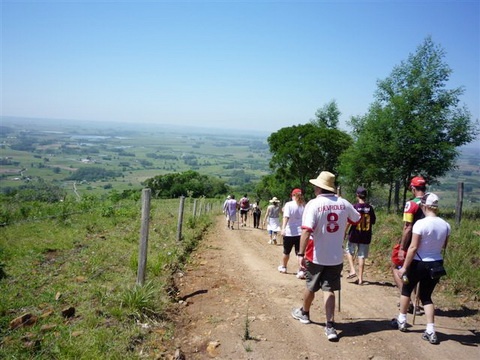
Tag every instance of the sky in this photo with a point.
(250, 65)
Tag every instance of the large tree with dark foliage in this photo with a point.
(301, 152)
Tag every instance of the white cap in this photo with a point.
(430, 199)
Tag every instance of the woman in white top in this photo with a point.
(429, 237)
(273, 217)
(292, 228)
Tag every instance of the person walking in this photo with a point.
(225, 210)
(292, 228)
(411, 214)
(231, 210)
(325, 220)
(430, 237)
(360, 236)
(272, 219)
(257, 213)
(244, 209)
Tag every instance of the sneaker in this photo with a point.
(300, 274)
(299, 315)
(282, 269)
(270, 242)
(430, 337)
(402, 326)
(331, 333)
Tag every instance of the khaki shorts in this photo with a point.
(326, 278)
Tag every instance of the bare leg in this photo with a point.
(308, 297)
(429, 313)
(404, 303)
(329, 302)
(350, 262)
(397, 279)
(361, 266)
(285, 260)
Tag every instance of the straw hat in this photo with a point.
(274, 200)
(326, 180)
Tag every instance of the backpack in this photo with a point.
(244, 203)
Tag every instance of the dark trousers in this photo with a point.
(256, 219)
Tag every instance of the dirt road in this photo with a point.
(232, 292)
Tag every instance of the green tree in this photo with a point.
(415, 124)
(188, 182)
(327, 116)
(301, 152)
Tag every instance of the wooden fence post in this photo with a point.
(180, 218)
(142, 255)
(194, 208)
(458, 208)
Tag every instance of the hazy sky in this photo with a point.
(259, 65)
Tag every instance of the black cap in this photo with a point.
(361, 191)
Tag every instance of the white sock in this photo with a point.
(402, 318)
(430, 328)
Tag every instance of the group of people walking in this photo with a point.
(316, 231)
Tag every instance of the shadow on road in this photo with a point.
(456, 313)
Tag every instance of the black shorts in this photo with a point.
(289, 242)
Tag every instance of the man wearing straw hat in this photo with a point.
(324, 222)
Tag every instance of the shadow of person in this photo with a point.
(360, 327)
(195, 293)
(380, 283)
(456, 313)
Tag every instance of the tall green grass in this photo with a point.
(85, 255)
(462, 256)
(88, 259)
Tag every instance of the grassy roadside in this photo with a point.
(462, 257)
(75, 278)
(86, 260)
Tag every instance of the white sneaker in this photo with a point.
(282, 269)
(331, 333)
(300, 274)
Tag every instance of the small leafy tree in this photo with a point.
(415, 124)
(327, 116)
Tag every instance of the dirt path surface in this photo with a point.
(232, 291)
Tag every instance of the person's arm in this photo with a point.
(266, 215)
(446, 243)
(412, 250)
(303, 246)
(406, 235)
(284, 224)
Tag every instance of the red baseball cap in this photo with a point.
(296, 191)
(418, 181)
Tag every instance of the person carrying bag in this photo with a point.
(424, 264)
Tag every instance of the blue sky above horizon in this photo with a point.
(258, 65)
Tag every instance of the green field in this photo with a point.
(53, 151)
(34, 150)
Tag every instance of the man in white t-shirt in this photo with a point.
(324, 222)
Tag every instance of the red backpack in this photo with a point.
(244, 204)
